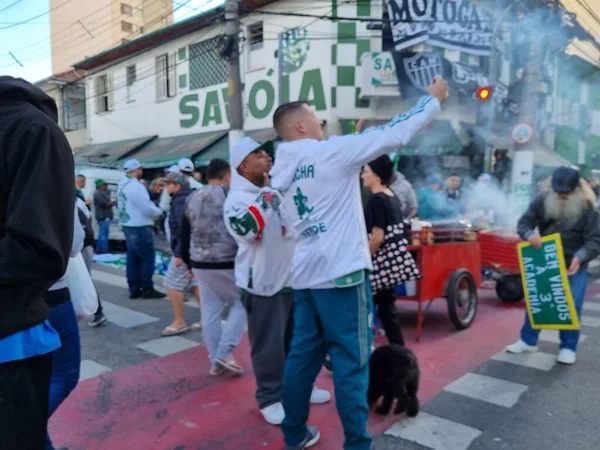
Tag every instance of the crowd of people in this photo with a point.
(282, 245)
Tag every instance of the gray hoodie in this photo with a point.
(405, 193)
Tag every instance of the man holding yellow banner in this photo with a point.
(565, 213)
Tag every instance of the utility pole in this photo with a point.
(234, 89)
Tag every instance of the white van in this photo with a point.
(112, 178)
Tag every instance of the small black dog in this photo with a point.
(394, 374)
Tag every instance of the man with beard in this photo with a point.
(256, 220)
(568, 209)
(137, 214)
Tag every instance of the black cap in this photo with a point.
(565, 179)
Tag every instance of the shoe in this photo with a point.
(153, 294)
(312, 437)
(273, 414)
(319, 396)
(566, 356)
(217, 371)
(97, 320)
(521, 347)
(231, 365)
(135, 294)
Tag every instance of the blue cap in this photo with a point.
(433, 179)
(131, 165)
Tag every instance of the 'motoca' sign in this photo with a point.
(451, 24)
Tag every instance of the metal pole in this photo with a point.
(236, 112)
(280, 67)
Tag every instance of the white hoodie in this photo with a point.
(135, 207)
(320, 183)
(257, 222)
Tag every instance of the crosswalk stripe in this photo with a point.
(588, 321)
(593, 264)
(434, 432)
(553, 336)
(487, 389)
(125, 317)
(588, 306)
(116, 280)
(538, 360)
(91, 369)
(167, 346)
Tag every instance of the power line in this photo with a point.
(35, 17)
(10, 6)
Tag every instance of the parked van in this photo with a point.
(112, 178)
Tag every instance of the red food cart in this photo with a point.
(450, 262)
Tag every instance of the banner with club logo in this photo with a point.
(451, 24)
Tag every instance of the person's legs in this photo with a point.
(224, 284)
(388, 315)
(176, 281)
(569, 339)
(133, 269)
(24, 390)
(103, 234)
(88, 258)
(268, 321)
(66, 360)
(303, 364)
(147, 258)
(528, 334)
(347, 318)
(212, 309)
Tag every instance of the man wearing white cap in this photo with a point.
(186, 167)
(137, 214)
(255, 219)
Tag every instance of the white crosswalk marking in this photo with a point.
(588, 321)
(116, 280)
(589, 306)
(167, 346)
(434, 432)
(538, 360)
(91, 369)
(553, 336)
(487, 389)
(125, 317)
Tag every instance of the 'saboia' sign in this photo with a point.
(547, 291)
(452, 24)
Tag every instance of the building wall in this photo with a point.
(93, 26)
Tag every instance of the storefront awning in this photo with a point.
(167, 151)
(439, 138)
(220, 148)
(109, 153)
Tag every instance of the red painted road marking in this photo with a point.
(171, 403)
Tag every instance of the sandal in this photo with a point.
(217, 371)
(196, 326)
(230, 365)
(172, 331)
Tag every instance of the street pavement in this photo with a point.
(141, 391)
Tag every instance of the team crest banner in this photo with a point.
(452, 24)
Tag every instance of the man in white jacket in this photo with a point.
(254, 217)
(333, 304)
(137, 214)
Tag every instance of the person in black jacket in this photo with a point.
(37, 176)
(569, 209)
(178, 278)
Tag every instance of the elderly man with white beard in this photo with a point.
(568, 208)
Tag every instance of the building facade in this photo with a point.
(89, 27)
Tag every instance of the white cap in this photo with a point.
(131, 165)
(186, 165)
(173, 169)
(242, 149)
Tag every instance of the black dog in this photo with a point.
(394, 374)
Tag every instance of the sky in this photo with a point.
(30, 42)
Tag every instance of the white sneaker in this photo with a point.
(274, 414)
(521, 347)
(566, 356)
(319, 396)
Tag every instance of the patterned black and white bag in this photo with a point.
(393, 264)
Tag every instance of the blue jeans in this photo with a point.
(140, 258)
(66, 360)
(103, 233)
(338, 322)
(568, 338)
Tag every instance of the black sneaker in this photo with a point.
(312, 437)
(153, 294)
(97, 320)
(136, 294)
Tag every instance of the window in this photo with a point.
(131, 78)
(126, 27)
(74, 111)
(207, 68)
(255, 36)
(103, 93)
(165, 77)
(126, 9)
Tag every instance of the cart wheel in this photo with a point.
(509, 288)
(462, 299)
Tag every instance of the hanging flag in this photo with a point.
(451, 24)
